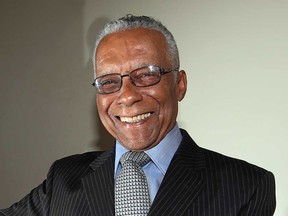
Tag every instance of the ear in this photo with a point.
(181, 84)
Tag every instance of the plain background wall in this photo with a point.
(234, 52)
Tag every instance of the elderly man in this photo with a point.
(155, 167)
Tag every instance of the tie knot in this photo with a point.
(140, 158)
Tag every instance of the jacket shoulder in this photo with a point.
(229, 164)
(78, 159)
(70, 170)
(220, 164)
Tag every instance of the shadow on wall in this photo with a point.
(104, 140)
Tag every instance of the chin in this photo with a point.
(138, 147)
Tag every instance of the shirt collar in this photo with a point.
(161, 154)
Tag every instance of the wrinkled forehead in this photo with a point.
(130, 45)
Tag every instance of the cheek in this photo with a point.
(166, 100)
(102, 105)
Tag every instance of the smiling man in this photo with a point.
(155, 167)
(140, 111)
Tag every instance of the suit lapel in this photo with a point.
(180, 187)
(99, 185)
(182, 182)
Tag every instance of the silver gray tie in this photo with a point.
(131, 188)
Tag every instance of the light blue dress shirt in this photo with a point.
(161, 156)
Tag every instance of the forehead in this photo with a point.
(137, 35)
(131, 46)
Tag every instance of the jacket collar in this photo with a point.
(183, 181)
(99, 185)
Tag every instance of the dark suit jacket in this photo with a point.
(197, 182)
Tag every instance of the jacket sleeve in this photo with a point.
(263, 200)
(37, 202)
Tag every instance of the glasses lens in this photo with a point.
(146, 76)
(108, 83)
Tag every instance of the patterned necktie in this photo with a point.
(131, 188)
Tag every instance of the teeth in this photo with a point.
(135, 118)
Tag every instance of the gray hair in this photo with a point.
(132, 22)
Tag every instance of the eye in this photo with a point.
(143, 75)
(147, 75)
(108, 82)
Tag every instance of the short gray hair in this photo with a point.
(132, 22)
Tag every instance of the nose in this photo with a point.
(128, 94)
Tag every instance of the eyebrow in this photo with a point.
(107, 70)
(113, 69)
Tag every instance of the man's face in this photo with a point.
(156, 105)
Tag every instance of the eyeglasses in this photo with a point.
(141, 77)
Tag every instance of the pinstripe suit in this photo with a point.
(197, 182)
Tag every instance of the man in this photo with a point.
(139, 84)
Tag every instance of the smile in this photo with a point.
(135, 119)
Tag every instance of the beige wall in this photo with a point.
(235, 55)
